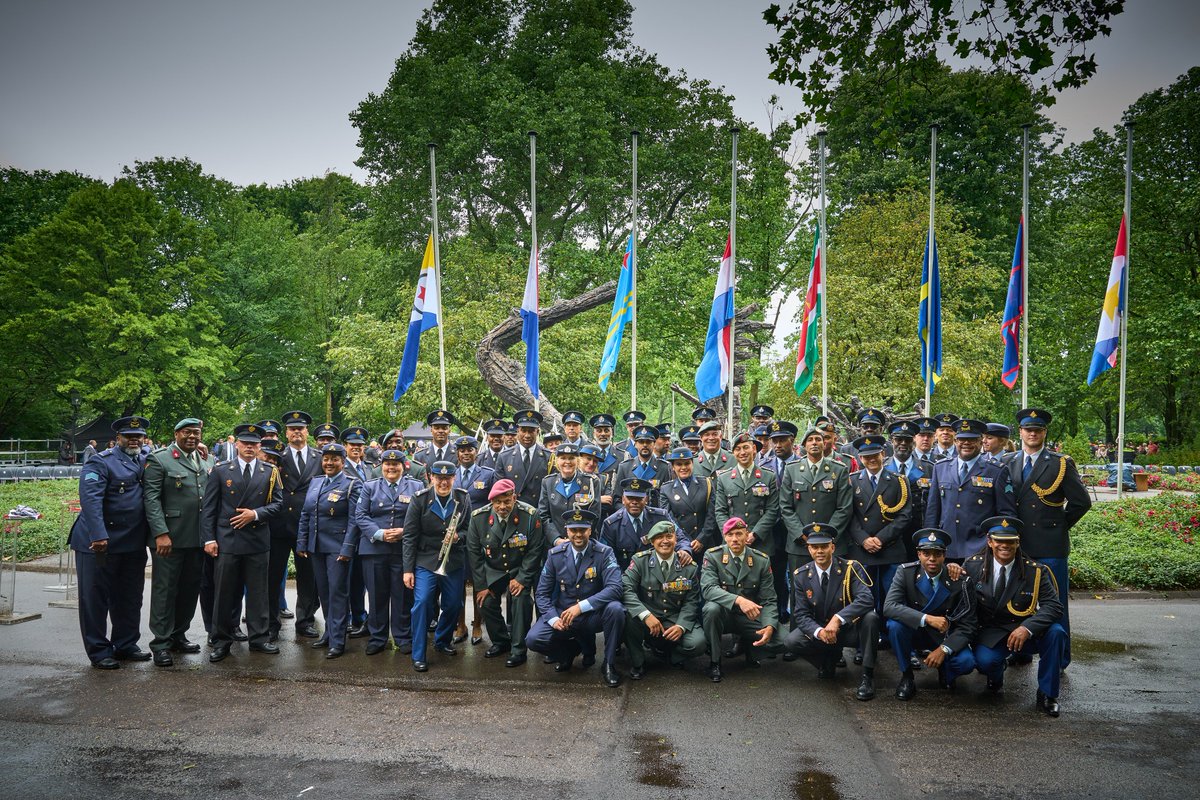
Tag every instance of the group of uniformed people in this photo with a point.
(911, 537)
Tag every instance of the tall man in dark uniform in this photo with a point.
(109, 540)
(927, 609)
(966, 490)
(240, 497)
(441, 448)
(172, 490)
(527, 462)
(626, 531)
(644, 465)
(748, 491)
(1018, 611)
(578, 595)
(569, 488)
(881, 514)
(661, 595)
(1050, 499)
(299, 464)
(739, 597)
(436, 522)
(832, 607)
(505, 548)
(689, 500)
(814, 489)
(494, 430)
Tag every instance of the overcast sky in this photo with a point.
(260, 91)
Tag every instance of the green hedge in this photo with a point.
(49, 534)
(1144, 543)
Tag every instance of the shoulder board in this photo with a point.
(976, 557)
(559, 548)
(525, 507)
(157, 450)
(642, 554)
(909, 565)
(426, 490)
(752, 551)
(481, 509)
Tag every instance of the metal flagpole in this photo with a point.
(537, 259)
(824, 295)
(1124, 303)
(1025, 266)
(733, 282)
(933, 130)
(633, 276)
(437, 268)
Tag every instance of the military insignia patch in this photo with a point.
(827, 484)
(590, 572)
(229, 482)
(725, 558)
(91, 476)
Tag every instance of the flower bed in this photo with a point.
(1143, 543)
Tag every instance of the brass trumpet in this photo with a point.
(447, 543)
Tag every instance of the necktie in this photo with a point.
(577, 554)
(196, 461)
(962, 472)
(824, 586)
(325, 483)
(299, 460)
(664, 568)
(1001, 582)
(637, 528)
(525, 458)
(1028, 468)
(245, 469)
(874, 482)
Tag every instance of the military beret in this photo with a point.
(644, 432)
(297, 419)
(818, 533)
(659, 528)
(466, 441)
(439, 417)
(578, 518)
(711, 425)
(189, 422)
(501, 488)
(333, 449)
(780, 429)
(1033, 418)
(969, 429)
(931, 539)
(527, 418)
(355, 436)
(131, 426)
(569, 450)
(327, 430)
(1002, 528)
(996, 429)
(631, 417)
(703, 414)
(394, 433)
(635, 487)
(248, 433)
(681, 454)
(868, 445)
(814, 431)
(733, 523)
(573, 416)
(602, 421)
(442, 468)
(762, 411)
(744, 437)
(903, 429)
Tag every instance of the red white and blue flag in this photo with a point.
(715, 372)
(425, 311)
(1014, 309)
(1108, 334)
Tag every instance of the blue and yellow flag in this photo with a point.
(622, 313)
(929, 317)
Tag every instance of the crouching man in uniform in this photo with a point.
(739, 597)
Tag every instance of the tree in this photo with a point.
(27, 199)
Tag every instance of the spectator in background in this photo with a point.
(373, 454)
(89, 452)
(1152, 448)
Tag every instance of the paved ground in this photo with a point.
(295, 725)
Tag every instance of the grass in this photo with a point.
(48, 535)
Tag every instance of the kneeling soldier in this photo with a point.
(927, 609)
(832, 608)
(662, 601)
(505, 546)
(739, 596)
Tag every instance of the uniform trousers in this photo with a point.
(390, 602)
(719, 620)
(1058, 568)
(452, 585)
(864, 634)
(235, 575)
(581, 636)
(520, 616)
(1050, 648)
(904, 639)
(333, 587)
(174, 591)
(110, 589)
(637, 637)
(306, 587)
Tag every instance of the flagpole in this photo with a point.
(1124, 303)
(1025, 265)
(822, 233)
(733, 281)
(437, 267)
(933, 131)
(633, 235)
(537, 258)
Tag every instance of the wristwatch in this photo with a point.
(946, 650)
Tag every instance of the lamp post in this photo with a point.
(75, 401)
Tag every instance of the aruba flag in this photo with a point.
(1108, 334)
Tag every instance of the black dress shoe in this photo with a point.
(826, 672)
(714, 672)
(107, 663)
(995, 686)
(420, 666)
(841, 662)
(406, 648)
(445, 649)
(133, 655)
(858, 659)
(335, 652)
(286, 614)
(375, 647)
(515, 660)
(211, 641)
(790, 656)
(1047, 705)
(735, 650)
(588, 660)
(907, 689)
(319, 643)
(219, 653)
(308, 631)
(185, 647)
(637, 673)
(358, 631)
(564, 665)
(610, 676)
(239, 635)
(273, 637)
(265, 647)
(162, 658)
(495, 650)
(866, 688)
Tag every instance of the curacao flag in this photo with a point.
(1108, 334)
(809, 352)
(427, 307)
(530, 321)
(1014, 308)
(716, 368)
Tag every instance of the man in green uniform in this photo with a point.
(662, 601)
(748, 491)
(739, 596)
(814, 489)
(172, 489)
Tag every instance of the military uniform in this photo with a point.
(628, 536)
(919, 474)
(845, 591)
(112, 581)
(425, 526)
(882, 510)
(327, 535)
(382, 506)
(655, 470)
(477, 481)
(959, 506)
(501, 550)
(558, 497)
(511, 465)
(296, 470)
(172, 489)
(754, 498)
(709, 464)
(815, 493)
(690, 504)
(669, 591)
(724, 578)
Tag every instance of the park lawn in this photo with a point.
(48, 535)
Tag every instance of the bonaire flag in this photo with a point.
(1014, 308)
(715, 372)
(929, 316)
(530, 321)
(622, 312)
(1108, 334)
(425, 311)
(809, 352)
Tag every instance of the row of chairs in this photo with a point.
(12, 474)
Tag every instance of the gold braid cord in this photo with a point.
(1053, 487)
(271, 485)
(847, 595)
(887, 510)
(1033, 601)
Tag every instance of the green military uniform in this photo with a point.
(722, 580)
(673, 596)
(500, 550)
(815, 493)
(172, 490)
(708, 465)
(754, 498)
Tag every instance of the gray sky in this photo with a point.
(260, 91)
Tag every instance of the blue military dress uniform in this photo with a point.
(477, 481)
(382, 506)
(627, 536)
(327, 534)
(111, 583)
(959, 505)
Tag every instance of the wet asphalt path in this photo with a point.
(296, 725)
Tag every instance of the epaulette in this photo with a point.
(976, 557)
(477, 511)
(642, 554)
(426, 490)
(526, 506)
(753, 551)
(559, 548)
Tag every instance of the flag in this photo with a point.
(530, 320)
(929, 318)
(715, 372)
(622, 312)
(808, 353)
(1014, 309)
(427, 307)
(1108, 334)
